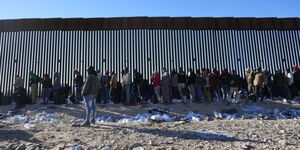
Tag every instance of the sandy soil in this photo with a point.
(217, 134)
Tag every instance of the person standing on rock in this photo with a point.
(89, 92)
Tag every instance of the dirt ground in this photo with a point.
(216, 134)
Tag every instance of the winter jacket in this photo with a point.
(225, 78)
(297, 77)
(174, 80)
(105, 81)
(33, 79)
(155, 80)
(249, 78)
(259, 79)
(113, 81)
(126, 79)
(280, 80)
(137, 78)
(78, 81)
(199, 81)
(235, 81)
(19, 82)
(191, 78)
(57, 80)
(47, 83)
(181, 77)
(215, 79)
(290, 78)
(90, 86)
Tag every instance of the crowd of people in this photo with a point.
(203, 85)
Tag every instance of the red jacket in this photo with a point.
(155, 79)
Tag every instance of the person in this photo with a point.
(258, 81)
(57, 88)
(280, 84)
(89, 92)
(174, 84)
(1, 96)
(290, 79)
(137, 79)
(46, 84)
(99, 95)
(105, 87)
(155, 82)
(19, 94)
(267, 85)
(113, 84)
(199, 85)
(215, 80)
(19, 82)
(145, 88)
(225, 83)
(126, 82)
(206, 87)
(191, 79)
(166, 86)
(78, 83)
(296, 74)
(181, 84)
(249, 80)
(235, 84)
(33, 82)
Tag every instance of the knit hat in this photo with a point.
(248, 70)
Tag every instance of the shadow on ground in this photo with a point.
(18, 135)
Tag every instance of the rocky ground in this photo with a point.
(216, 134)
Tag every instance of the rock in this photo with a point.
(60, 147)
(282, 142)
(198, 147)
(172, 148)
(21, 147)
(11, 146)
(31, 147)
(138, 148)
(107, 148)
(151, 143)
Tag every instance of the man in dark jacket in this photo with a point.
(78, 83)
(280, 84)
(137, 80)
(235, 84)
(181, 83)
(89, 92)
(191, 80)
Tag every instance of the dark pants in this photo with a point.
(78, 94)
(258, 91)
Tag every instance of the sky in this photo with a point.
(16, 9)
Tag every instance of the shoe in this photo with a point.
(93, 121)
(85, 124)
